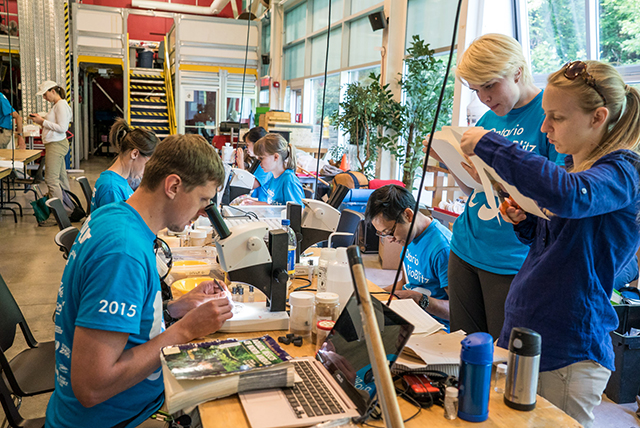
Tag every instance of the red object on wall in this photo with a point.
(276, 84)
(227, 12)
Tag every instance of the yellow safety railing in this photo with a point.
(128, 71)
(171, 109)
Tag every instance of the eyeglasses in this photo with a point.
(391, 232)
(573, 69)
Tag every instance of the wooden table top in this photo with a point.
(25, 156)
(228, 412)
(4, 172)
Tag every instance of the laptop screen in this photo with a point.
(344, 352)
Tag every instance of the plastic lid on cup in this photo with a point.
(301, 298)
(325, 325)
(198, 233)
(451, 391)
(501, 368)
(327, 298)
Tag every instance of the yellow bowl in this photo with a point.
(185, 285)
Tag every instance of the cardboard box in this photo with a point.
(272, 117)
(389, 253)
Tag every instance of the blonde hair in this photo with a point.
(271, 144)
(623, 103)
(492, 56)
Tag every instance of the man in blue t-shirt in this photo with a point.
(390, 211)
(7, 114)
(109, 313)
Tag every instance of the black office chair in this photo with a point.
(88, 192)
(65, 239)
(349, 222)
(27, 183)
(13, 417)
(308, 193)
(32, 371)
(59, 212)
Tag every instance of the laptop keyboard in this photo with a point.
(272, 223)
(311, 397)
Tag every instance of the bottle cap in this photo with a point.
(501, 368)
(325, 325)
(327, 298)
(286, 222)
(301, 298)
(477, 348)
(525, 342)
(451, 391)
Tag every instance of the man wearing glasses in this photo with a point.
(390, 211)
(109, 321)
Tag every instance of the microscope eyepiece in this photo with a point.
(217, 221)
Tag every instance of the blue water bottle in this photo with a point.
(476, 358)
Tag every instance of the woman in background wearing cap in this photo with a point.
(54, 128)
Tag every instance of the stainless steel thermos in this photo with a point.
(522, 370)
(476, 358)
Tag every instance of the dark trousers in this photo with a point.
(476, 298)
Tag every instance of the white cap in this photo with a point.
(501, 368)
(45, 86)
(327, 298)
(301, 298)
(451, 391)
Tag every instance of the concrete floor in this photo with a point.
(32, 265)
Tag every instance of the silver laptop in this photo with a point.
(338, 383)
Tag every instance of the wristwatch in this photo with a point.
(168, 319)
(424, 302)
(19, 134)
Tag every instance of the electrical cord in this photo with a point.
(244, 213)
(428, 150)
(324, 94)
(244, 71)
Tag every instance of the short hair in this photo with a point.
(622, 101)
(492, 56)
(188, 156)
(254, 134)
(126, 139)
(273, 143)
(390, 201)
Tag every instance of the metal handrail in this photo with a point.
(128, 82)
(171, 110)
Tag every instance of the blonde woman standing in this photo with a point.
(562, 290)
(54, 128)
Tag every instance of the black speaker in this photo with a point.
(378, 20)
(265, 59)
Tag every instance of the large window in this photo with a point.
(295, 21)
(566, 30)
(358, 5)
(441, 13)
(319, 48)
(331, 105)
(294, 61)
(321, 10)
(363, 42)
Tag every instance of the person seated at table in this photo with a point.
(390, 211)
(7, 114)
(278, 157)
(134, 147)
(109, 321)
(254, 134)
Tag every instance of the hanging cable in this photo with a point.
(13, 144)
(324, 94)
(244, 73)
(428, 151)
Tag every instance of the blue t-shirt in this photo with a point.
(426, 263)
(110, 283)
(6, 110)
(262, 176)
(110, 187)
(480, 236)
(279, 191)
(563, 289)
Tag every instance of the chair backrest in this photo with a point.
(308, 193)
(349, 221)
(86, 189)
(59, 212)
(11, 317)
(13, 416)
(65, 239)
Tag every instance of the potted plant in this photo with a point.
(421, 87)
(368, 110)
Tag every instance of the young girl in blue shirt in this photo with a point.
(563, 289)
(135, 147)
(277, 156)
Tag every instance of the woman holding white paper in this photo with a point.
(563, 288)
(485, 255)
